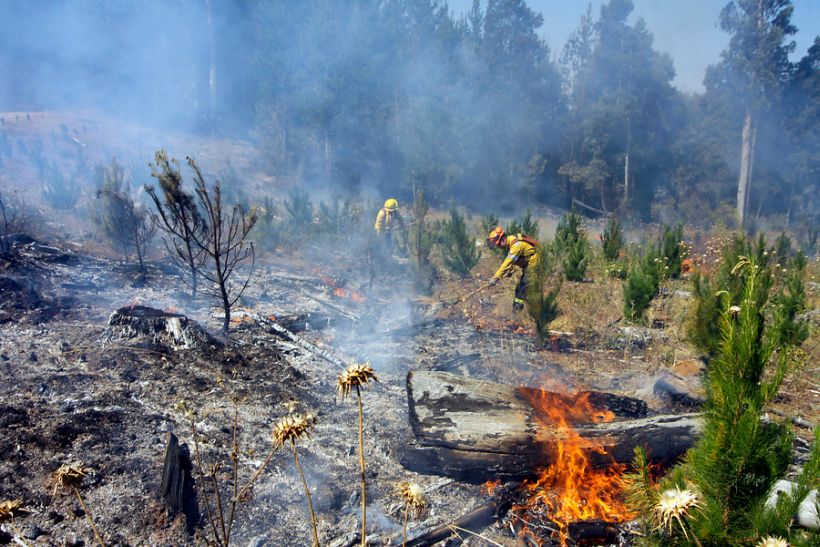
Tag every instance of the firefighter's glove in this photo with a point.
(493, 281)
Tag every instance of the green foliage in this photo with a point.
(300, 210)
(737, 459)
(577, 258)
(60, 191)
(672, 249)
(269, 230)
(641, 286)
(542, 293)
(525, 225)
(121, 221)
(489, 222)
(572, 246)
(568, 230)
(789, 303)
(782, 250)
(458, 248)
(702, 328)
(612, 240)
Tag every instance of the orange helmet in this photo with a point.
(496, 237)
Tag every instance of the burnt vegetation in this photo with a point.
(660, 389)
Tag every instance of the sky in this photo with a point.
(687, 30)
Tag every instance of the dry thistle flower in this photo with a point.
(734, 310)
(353, 376)
(70, 475)
(772, 541)
(10, 509)
(292, 427)
(674, 505)
(413, 496)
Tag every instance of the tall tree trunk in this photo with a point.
(746, 156)
(211, 67)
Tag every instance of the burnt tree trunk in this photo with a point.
(475, 431)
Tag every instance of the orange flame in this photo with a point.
(490, 486)
(571, 489)
(348, 294)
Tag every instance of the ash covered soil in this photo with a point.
(75, 388)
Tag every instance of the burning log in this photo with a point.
(476, 431)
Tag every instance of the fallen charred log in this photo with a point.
(475, 431)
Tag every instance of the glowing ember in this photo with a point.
(490, 486)
(348, 294)
(570, 489)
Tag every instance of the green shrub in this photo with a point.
(789, 303)
(612, 240)
(673, 250)
(459, 251)
(525, 225)
(300, 210)
(571, 246)
(704, 316)
(641, 286)
(123, 222)
(569, 228)
(782, 249)
(542, 293)
(577, 259)
(59, 191)
(737, 459)
(268, 232)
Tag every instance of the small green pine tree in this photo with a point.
(641, 286)
(458, 249)
(612, 240)
(672, 249)
(542, 293)
(736, 461)
(420, 238)
(300, 210)
(577, 259)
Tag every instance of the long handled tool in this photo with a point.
(469, 295)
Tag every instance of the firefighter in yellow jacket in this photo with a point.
(389, 220)
(522, 252)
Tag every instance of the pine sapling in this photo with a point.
(612, 240)
(459, 251)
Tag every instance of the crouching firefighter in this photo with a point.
(389, 220)
(522, 251)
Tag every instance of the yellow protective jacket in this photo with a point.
(386, 220)
(520, 253)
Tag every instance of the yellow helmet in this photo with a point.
(391, 204)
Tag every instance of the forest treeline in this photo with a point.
(396, 94)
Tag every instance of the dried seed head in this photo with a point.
(355, 375)
(413, 496)
(674, 505)
(292, 427)
(70, 475)
(772, 541)
(734, 310)
(10, 509)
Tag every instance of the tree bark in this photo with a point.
(476, 431)
(745, 177)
